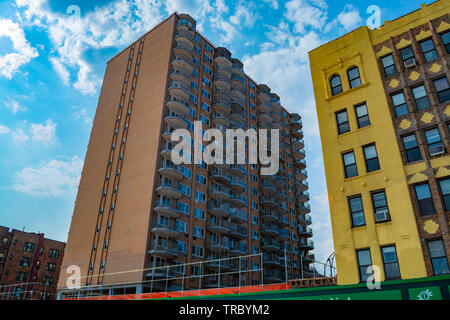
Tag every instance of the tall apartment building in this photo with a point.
(136, 209)
(382, 99)
(29, 265)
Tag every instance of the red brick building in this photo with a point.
(29, 265)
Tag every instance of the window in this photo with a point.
(364, 262)
(429, 52)
(425, 200)
(342, 122)
(180, 226)
(438, 257)
(199, 232)
(200, 214)
(357, 211)
(446, 39)
(400, 106)
(22, 276)
(408, 57)
(336, 85)
(445, 192)
(201, 179)
(411, 148)
(28, 247)
(50, 267)
(199, 196)
(48, 281)
(362, 116)
(353, 77)
(380, 206)
(390, 261)
(388, 66)
(421, 98)
(197, 251)
(5, 241)
(350, 164)
(25, 262)
(371, 156)
(442, 89)
(435, 146)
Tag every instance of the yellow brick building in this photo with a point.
(382, 100)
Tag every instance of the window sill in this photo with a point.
(365, 175)
(364, 85)
(354, 131)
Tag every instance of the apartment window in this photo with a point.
(206, 107)
(388, 66)
(182, 207)
(28, 247)
(22, 276)
(25, 262)
(357, 211)
(201, 179)
(182, 247)
(400, 106)
(424, 199)
(180, 226)
(362, 115)
(336, 85)
(354, 77)
(48, 281)
(53, 253)
(390, 262)
(446, 39)
(428, 49)
(435, 146)
(421, 98)
(200, 197)
(200, 214)
(442, 89)
(342, 122)
(199, 232)
(371, 156)
(445, 192)
(438, 257)
(364, 264)
(350, 164)
(380, 206)
(408, 57)
(197, 251)
(51, 267)
(5, 241)
(411, 148)
(255, 235)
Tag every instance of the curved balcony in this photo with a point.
(303, 197)
(265, 97)
(280, 181)
(218, 246)
(180, 74)
(270, 244)
(283, 221)
(271, 259)
(269, 215)
(169, 191)
(301, 164)
(281, 195)
(237, 185)
(268, 201)
(265, 116)
(297, 133)
(221, 194)
(237, 68)
(282, 208)
(308, 258)
(222, 80)
(235, 99)
(237, 81)
(176, 121)
(238, 215)
(269, 188)
(297, 143)
(166, 150)
(238, 250)
(220, 226)
(238, 200)
(276, 115)
(180, 89)
(237, 231)
(237, 170)
(304, 220)
(276, 105)
(299, 155)
(308, 245)
(305, 231)
(221, 119)
(269, 230)
(181, 47)
(182, 62)
(301, 174)
(168, 251)
(164, 208)
(264, 107)
(165, 229)
(296, 123)
(186, 23)
(219, 209)
(185, 37)
(224, 67)
(283, 235)
(178, 105)
(222, 106)
(301, 186)
(219, 176)
(277, 125)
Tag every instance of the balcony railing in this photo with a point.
(238, 214)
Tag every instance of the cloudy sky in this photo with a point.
(53, 54)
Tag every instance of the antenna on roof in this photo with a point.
(23, 229)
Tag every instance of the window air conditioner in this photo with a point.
(436, 150)
(410, 63)
(382, 215)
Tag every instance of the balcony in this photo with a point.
(238, 250)
(298, 143)
(299, 155)
(181, 47)
(223, 68)
(237, 231)
(269, 188)
(301, 174)
(237, 185)
(220, 193)
(238, 170)
(269, 215)
(280, 181)
(185, 37)
(270, 244)
(276, 104)
(283, 235)
(181, 74)
(171, 170)
(220, 176)
(271, 259)
(219, 209)
(272, 277)
(165, 208)
(163, 251)
(238, 200)
(221, 119)
(305, 231)
(218, 263)
(264, 96)
(303, 208)
(185, 24)
(301, 186)
(217, 246)
(281, 195)
(308, 258)
(283, 221)
(282, 208)
(237, 68)
(164, 228)
(264, 107)
(296, 123)
(303, 197)
(297, 133)
(237, 99)
(268, 201)
(176, 121)
(180, 89)
(277, 125)
(304, 220)
(269, 230)
(265, 116)
(237, 81)
(223, 80)
(169, 191)
(306, 244)
(222, 107)
(219, 226)
(238, 215)
(166, 150)
(301, 164)
(182, 62)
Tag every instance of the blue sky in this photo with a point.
(52, 61)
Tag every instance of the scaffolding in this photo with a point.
(28, 291)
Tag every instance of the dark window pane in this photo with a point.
(438, 257)
(399, 104)
(357, 212)
(442, 89)
(362, 115)
(336, 86)
(411, 148)
(446, 40)
(379, 200)
(445, 191)
(364, 262)
(420, 95)
(388, 66)
(353, 75)
(440, 266)
(429, 51)
(401, 110)
(407, 56)
(342, 120)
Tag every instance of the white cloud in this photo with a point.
(4, 130)
(44, 133)
(11, 62)
(81, 114)
(19, 136)
(14, 106)
(244, 15)
(304, 14)
(273, 3)
(349, 18)
(54, 179)
(61, 70)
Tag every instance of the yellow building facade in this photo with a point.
(375, 192)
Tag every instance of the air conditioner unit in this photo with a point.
(410, 63)
(436, 150)
(382, 215)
